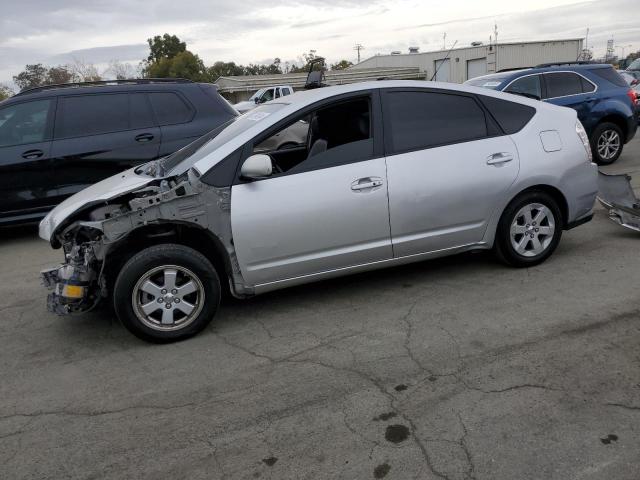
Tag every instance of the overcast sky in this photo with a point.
(96, 31)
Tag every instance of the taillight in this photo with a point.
(585, 139)
(633, 96)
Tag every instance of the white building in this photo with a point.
(468, 62)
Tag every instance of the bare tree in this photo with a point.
(84, 72)
(122, 71)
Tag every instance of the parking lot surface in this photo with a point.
(458, 368)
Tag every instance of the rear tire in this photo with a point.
(607, 141)
(166, 293)
(529, 230)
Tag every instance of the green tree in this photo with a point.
(224, 69)
(341, 65)
(163, 47)
(183, 65)
(59, 74)
(5, 92)
(33, 75)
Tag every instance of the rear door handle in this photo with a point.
(499, 158)
(366, 183)
(31, 154)
(144, 137)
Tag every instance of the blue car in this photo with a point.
(605, 104)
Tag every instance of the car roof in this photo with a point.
(105, 86)
(509, 75)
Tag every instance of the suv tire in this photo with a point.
(607, 141)
(166, 293)
(529, 229)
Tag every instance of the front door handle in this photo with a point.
(144, 137)
(499, 158)
(365, 183)
(32, 154)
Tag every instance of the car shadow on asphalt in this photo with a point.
(12, 233)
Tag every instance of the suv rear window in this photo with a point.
(511, 116)
(610, 75)
(170, 108)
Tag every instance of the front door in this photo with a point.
(325, 207)
(446, 174)
(26, 185)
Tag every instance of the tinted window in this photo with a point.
(610, 75)
(169, 108)
(285, 92)
(92, 115)
(423, 119)
(140, 111)
(562, 83)
(24, 123)
(587, 86)
(511, 116)
(529, 86)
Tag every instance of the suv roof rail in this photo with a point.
(565, 64)
(513, 69)
(100, 83)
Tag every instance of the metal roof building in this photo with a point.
(236, 89)
(468, 62)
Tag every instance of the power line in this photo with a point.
(358, 47)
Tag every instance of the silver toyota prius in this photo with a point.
(391, 172)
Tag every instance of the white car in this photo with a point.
(391, 172)
(263, 95)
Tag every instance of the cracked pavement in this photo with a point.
(454, 369)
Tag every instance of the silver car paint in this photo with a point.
(313, 226)
(310, 222)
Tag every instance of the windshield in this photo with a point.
(258, 94)
(186, 157)
(635, 65)
(491, 81)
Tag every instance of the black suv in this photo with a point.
(58, 139)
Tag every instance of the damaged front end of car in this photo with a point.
(617, 196)
(106, 230)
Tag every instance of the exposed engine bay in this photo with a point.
(101, 233)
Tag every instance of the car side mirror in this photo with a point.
(256, 100)
(256, 167)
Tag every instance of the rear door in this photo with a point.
(448, 165)
(568, 89)
(99, 135)
(174, 114)
(26, 183)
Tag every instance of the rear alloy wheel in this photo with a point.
(529, 230)
(607, 141)
(166, 293)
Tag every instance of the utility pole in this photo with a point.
(444, 41)
(358, 48)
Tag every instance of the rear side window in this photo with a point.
(529, 86)
(24, 123)
(169, 108)
(511, 116)
(92, 114)
(610, 75)
(425, 119)
(562, 84)
(285, 92)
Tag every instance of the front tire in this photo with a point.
(166, 293)
(607, 140)
(529, 229)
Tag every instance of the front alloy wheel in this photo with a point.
(166, 293)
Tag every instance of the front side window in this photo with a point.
(331, 135)
(528, 86)
(268, 95)
(24, 123)
(421, 120)
(285, 92)
(82, 115)
(562, 84)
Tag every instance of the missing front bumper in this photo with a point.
(617, 196)
(72, 291)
